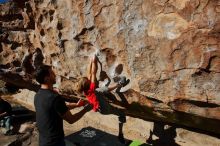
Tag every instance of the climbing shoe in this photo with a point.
(123, 81)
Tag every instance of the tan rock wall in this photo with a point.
(169, 49)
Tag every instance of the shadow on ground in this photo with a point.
(165, 135)
(93, 137)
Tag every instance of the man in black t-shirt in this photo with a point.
(5, 116)
(51, 110)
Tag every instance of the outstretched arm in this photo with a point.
(70, 118)
(94, 69)
(3, 114)
(89, 72)
(61, 108)
(74, 105)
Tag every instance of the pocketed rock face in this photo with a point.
(167, 26)
(169, 49)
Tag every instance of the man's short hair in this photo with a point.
(42, 72)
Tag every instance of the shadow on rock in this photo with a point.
(165, 135)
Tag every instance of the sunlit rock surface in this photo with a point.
(169, 49)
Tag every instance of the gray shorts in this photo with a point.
(104, 107)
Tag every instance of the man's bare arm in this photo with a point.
(72, 118)
(3, 114)
(71, 105)
(80, 103)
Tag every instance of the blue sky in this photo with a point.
(3, 1)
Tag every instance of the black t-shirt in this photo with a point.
(49, 108)
(5, 107)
